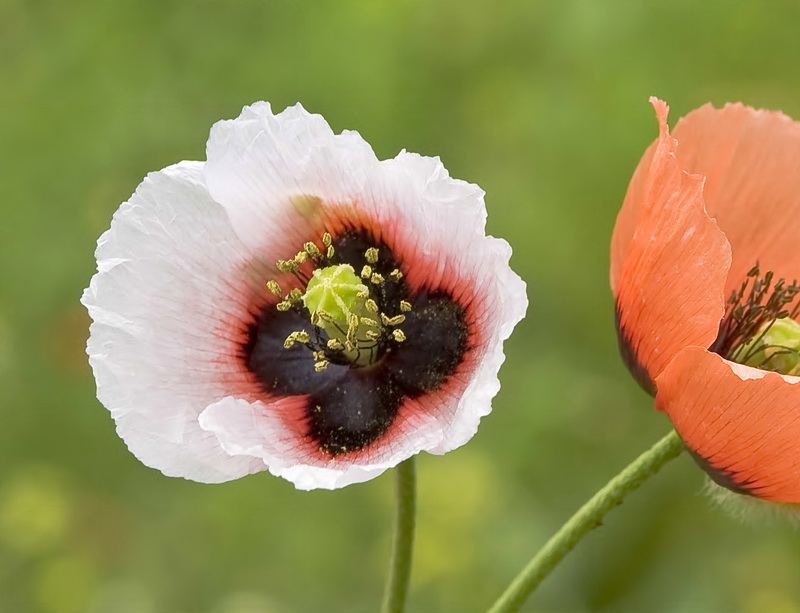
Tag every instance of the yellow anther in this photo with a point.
(321, 365)
(301, 257)
(371, 305)
(371, 255)
(311, 249)
(396, 274)
(367, 321)
(398, 335)
(405, 306)
(283, 305)
(299, 336)
(352, 320)
(330, 251)
(351, 337)
(366, 272)
(294, 295)
(327, 239)
(320, 317)
(286, 265)
(377, 278)
(372, 335)
(273, 286)
(392, 321)
(334, 344)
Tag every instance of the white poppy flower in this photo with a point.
(296, 305)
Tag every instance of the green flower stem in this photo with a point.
(394, 596)
(588, 517)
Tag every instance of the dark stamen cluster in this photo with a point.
(383, 277)
(347, 405)
(750, 312)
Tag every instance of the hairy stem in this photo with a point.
(587, 518)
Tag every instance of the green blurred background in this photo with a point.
(543, 104)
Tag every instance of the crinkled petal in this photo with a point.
(669, 286)
(742, 423)
(270, 172)
(273, 183)
(436, 226)
(166, 285)
(750, 161)
(259, 430)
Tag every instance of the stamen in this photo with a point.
(334, 344)
(776, 348)
(392, 321)
(755, 316)
(371, 255)
(300, 336)
(286, 265)
(343, 308)
(312, 250)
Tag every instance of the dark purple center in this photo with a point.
(351, 406)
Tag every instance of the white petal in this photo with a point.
(256, 430)
(178, 273)
(259, 163)
(167, 276)
(439, 223)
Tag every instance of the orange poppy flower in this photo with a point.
(704, 263)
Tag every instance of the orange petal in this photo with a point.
(750, 161)
(742, 424)
(629, 213)
(669, 285)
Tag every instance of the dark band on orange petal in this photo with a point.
(743, 424)
(630, 356)
(720, 476)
